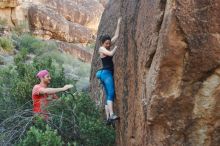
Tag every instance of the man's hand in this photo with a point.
(66, 87)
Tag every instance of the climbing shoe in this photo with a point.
(114, 117)
(108, 122)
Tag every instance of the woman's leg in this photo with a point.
(110, 96)
(107, 112)
(106, 106)
(100, 75)
(110, 107)
(109, 85)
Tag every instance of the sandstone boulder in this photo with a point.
(5, 17)
(76, 50)
(13, 12)
(19, 15)
(84, 12)
(104, 2)
(46, 22)
(65, 20)
(9, 3)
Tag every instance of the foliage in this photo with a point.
(74, 117)
(6, 44)
(91, 46)
(21, 27)
(37, 137)
(79, 121)
(32, 44)
(16, 83)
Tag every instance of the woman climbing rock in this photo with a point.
(106, 73)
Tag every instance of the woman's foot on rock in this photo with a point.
(114, 117)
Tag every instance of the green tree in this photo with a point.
(37, 137)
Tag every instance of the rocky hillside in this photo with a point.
(167, 73)
(71, 21)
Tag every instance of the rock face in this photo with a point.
(6, 7)
(167, 71)
(79, 14)
(104, 2)
(70, 21)
(84, 12)
(8, 3)
(77, 50)
(54, 26)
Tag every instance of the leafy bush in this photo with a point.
(1, 60)
(91, 46)
(73, 68)
(78, 119)
(17, 81)
(74, 116)
(33, 44)
(6, 43)
(37, 137)
(21, 27)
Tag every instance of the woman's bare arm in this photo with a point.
(107, 52)
(114, 38)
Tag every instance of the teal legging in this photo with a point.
(106, 77)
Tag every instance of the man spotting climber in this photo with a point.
(42, 94)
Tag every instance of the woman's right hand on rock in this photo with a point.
(119, 20)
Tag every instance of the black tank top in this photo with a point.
(107, 63)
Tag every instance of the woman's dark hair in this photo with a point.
(104, 38)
